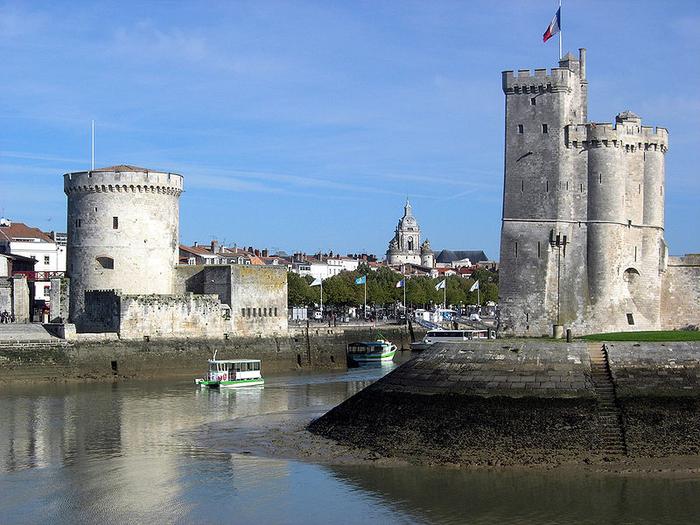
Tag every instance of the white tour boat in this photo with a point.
(378, 351)
(232, 373)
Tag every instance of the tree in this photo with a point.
(298, 290)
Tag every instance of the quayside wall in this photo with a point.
(108, 360)
(524, 402)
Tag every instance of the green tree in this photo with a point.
(299, 293)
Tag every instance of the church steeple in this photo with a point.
(405, 247)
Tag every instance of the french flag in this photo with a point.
(554, 26)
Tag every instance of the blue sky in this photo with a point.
(304, 125)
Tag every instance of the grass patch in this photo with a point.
(667, 335)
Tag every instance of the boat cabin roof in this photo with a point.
(369, 343)
(234, 361)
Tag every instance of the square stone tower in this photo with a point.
(582, 233)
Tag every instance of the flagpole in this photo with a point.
(561, 31)
(321, 299)
(405, 310)
(92, 147)
(365, 298)
(444, 296)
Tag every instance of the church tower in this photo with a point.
(405, 245)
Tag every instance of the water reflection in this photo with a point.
(125, 453)
(457, 496)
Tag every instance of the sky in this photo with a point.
(305, 125)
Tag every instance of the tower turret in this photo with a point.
(427, 257)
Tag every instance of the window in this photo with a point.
(520, 128)
(275, 311)
(545, 129)
(247, 312)
(106, 262)
(600, 178)
(522, 186)
(47, 289)
(516, 250)
(115, 223)
(47, 259)
(533, 101)
(242, 312)
(78, 223)
(259, 312)
(635, 254)
(538, 249)
(630, 319)
(254, 312)
(581, 188)
(546, 185)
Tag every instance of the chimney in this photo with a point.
(265, 253)
(195, 244)
(214, 246)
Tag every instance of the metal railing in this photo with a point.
(40, 275)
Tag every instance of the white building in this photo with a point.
(325, 267)
(17, 238)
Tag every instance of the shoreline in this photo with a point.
(90, 361)
(284, 436)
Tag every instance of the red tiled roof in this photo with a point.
(196, 250)
(18, 230)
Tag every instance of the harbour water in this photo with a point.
(141, 452)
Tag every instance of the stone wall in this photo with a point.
(258, 300)
(101, 311)
(59, 301)
(171, 316)
(21, 306)
(680, 299)
(524, 401)
(658, 389)
(256, 295)
(108, 360)
(5, 294)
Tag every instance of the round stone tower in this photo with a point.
(123, 224)
(427, 257)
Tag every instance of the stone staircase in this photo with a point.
(612, 434)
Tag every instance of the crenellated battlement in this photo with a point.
(627, 134)
(559, 79)
(123, 179)
(539, 81)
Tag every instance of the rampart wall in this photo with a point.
(114, 360)
(680, 299)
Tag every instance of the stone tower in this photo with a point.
(404, 247)
(427, 257)
(122, 232)
(582, 233)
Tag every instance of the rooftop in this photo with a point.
(15, 231)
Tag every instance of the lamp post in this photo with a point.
(560, 241)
